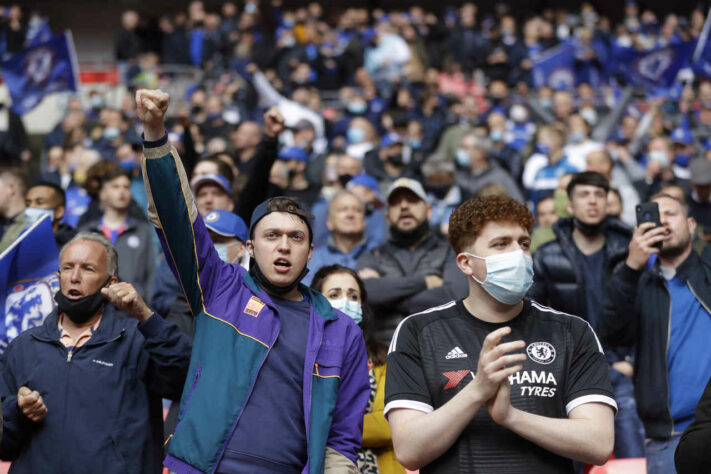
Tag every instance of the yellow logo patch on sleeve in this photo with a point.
(254, 306)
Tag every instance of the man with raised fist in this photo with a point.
(278, 380)
(82, 392)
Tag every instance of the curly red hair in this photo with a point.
(468, 220)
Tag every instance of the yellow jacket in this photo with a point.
(376, 431)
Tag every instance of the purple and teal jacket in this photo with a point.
(236, 324)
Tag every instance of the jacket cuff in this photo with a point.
(156, 143)
(152, 326)
(12, 417)
(629, 275)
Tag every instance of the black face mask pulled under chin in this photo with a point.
(590, 230)
(270, 287)
(410, 237)
(81, 310)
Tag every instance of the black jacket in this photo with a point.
(104, 411)
(558, 280)
(401, 289)
(693, 454)
(635, 310)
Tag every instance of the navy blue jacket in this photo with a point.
(104, 405)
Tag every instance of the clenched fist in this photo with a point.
(31, 404)
(152, 106)
(273, 122)
(125, 298)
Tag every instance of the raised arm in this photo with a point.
(172, 209)
(257, 187)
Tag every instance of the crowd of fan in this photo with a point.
(445, 101)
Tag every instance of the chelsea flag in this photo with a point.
(40, 70)
(28, 280)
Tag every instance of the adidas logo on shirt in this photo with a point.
(456, 353)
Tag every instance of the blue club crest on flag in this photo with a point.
(655, 68)
(40, 70)
(28, 280)
(555, 68)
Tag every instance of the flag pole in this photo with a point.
(703, 38)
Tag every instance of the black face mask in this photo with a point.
(369, 208)
(271, 288)
(439, 191)
(590, 230)
(395, 160)
(410, 237)
(344, 179)
(83, 309)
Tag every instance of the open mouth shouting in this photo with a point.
(282, 265)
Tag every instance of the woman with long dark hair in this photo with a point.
(346, 292)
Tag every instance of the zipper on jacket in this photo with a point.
(666, 361)
(244, 405)
(71, 354)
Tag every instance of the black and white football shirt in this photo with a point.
(434, 354)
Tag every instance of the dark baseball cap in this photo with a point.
(280, 204)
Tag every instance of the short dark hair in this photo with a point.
(223, 168)
(114, 173)
(591, 178)
(55, 187)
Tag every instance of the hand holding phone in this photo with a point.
(647, 238)
(649, 212)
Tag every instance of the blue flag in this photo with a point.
(38, 32)
(41, 70)
(555, 68)
(28, 280)
(655, 68)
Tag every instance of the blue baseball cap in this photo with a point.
(216, 179)
(294, 153)
(391, 139)
(227, 224)
(270, 205)
(682, 135)
(367, 181)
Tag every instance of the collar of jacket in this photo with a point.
(321, 305)
(563, 228)
(359, 247)
(95, 225)
(111, 327)
(688, 269)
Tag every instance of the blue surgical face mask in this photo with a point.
(682, 159)
(129, 166)
(33, 214)
(350, 307)
(97, 102)
(415, 144)
(496, 135)
(659, 156)
(463, 158)
(222, 251)
(542, 148)
(357, 108)
(355, 135)
(111, 133)
(577, 137)
(508, 275)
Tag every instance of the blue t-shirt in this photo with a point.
(271, 434)
(592, 270)
(689, 357)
